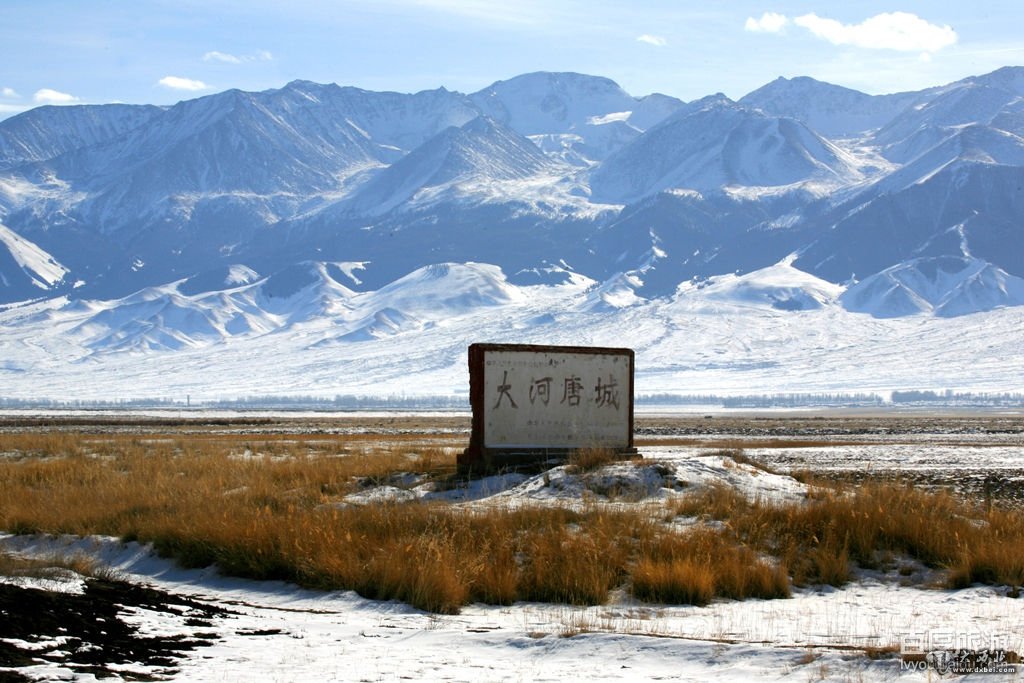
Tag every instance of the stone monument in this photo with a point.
(533, 405)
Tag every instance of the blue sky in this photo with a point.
(163, 51)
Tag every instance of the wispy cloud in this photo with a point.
(179, 83)
(770, 22)
(49, 96)
(656, 41)
(9, 93)
(215, 56)
(228, 58)
(887, 31)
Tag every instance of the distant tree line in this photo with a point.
(764, 400)
(89, 404)
(803, 400)
(678, 399)
(844, 400)
(966, 398)
(342, 402)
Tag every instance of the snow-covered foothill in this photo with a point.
(945, 286)
(780, 286)
(776, 330)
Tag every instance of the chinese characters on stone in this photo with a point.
(505, 390)
(606, 393)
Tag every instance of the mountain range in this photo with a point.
(225, 221)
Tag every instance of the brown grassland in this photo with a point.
(271, 506)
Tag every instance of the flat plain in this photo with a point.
(664, 597)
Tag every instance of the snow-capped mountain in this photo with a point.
(968, 208)
(717, 145)
(970, 143)
(477, 153)
(49, 131)
(832, 110)
(327, 218)
(911, 132)
(580, 119)
(395, 121)
(542, 103)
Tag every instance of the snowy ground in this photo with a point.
(276, 632)
(409, 340)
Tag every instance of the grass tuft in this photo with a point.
(837, 529)
(590, 459)
(699, 565)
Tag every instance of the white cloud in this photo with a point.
(770, 22)
(48, 96)
(656, 41)
(227, 58)
(214, 56)
(9, 92)
(179, 83)
(887, 31)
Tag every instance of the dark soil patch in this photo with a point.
(87, 633)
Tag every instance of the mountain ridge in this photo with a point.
(342, 216)
(189, 188)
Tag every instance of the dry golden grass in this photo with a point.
(590, 459)
(697, 566)
(272, 507)
(820, 540)
(683, 581)
(998, 559)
